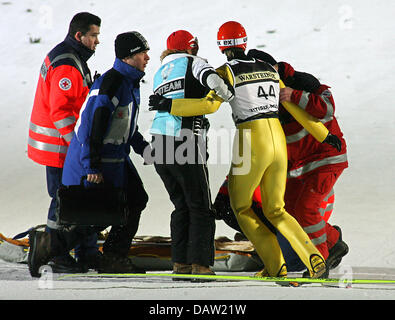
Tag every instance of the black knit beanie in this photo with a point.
(130, 43)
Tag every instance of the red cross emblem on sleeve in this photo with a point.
(65, 84)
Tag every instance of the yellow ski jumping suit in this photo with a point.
(262, 148)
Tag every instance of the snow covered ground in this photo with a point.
(348, 45)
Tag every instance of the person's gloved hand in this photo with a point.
(334, 141)
(159, 103)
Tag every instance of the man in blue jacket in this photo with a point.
(105, 131)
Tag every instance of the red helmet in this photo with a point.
(231, 35)
(181, 40)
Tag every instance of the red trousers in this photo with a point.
(304, 199)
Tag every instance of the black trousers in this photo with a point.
(88, 245)
(119, 237)
(192, 223)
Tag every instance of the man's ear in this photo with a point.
(78, 36)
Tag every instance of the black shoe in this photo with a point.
(337, 252)
(91, 261)
(65, 264)
(340, 233)
(116, 264)
(39, 251)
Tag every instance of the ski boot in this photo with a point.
(319, 268)
(282, 273)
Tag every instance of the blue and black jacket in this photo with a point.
(107, 127)
(180, 76)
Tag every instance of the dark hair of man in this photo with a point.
(82, 22)
(235, 53)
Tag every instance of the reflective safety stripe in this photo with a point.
(304, 99)
(316, 227)
(52, 224)
(68, 136)
(319, 240)
(64, 122)
(44, 69)
(115, 101)
(329, 108)
(330, 194)
(43, 146)
(328, 208)
(316, 164)
(93, 92)
(44, 130)
(112, 160)
(297, 136)
(50, 132)
(322, 224)
(119, 130)
(329, 205)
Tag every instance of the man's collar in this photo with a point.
(128, 71)
(84, 52)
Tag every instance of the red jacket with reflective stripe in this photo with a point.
(61, 91)
(326, 206)
(305, 153)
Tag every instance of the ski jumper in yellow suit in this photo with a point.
(262, 149)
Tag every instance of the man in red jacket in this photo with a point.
(63, 85)
(313, 167)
